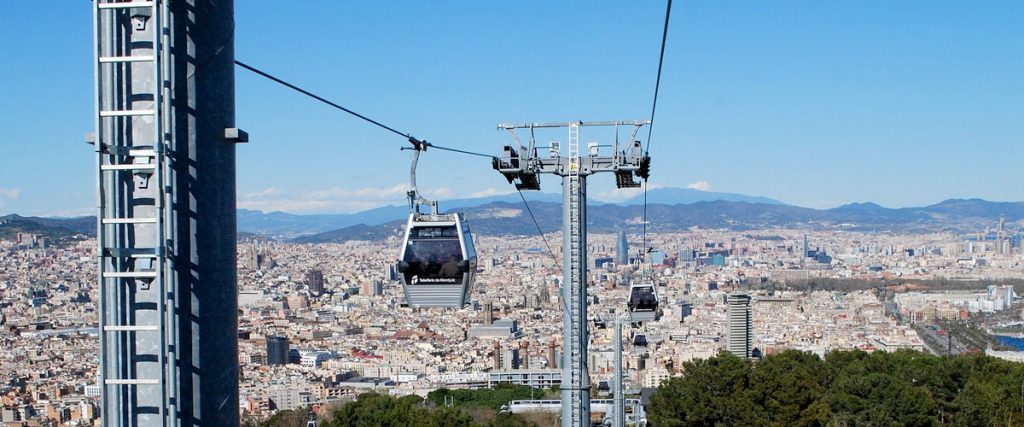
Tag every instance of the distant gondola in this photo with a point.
(437, 261)
(643, 302)
(640, 340)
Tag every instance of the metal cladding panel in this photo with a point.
(204, 212)
(405, 239)
(422, 296)
(643, 316)
(466, 238)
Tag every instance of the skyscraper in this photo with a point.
(552, 355)
(315, 281)
(510, 359)
(740, 334)
(1001, 236)
(487, 313)
(622, 249)
(545, 294)
(497, 355)
(277, 351)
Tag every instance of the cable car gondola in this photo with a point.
(437, 260)
(639, 340)
(643, 301)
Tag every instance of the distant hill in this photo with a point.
(504, 218)
(280, 223)
(679, 196)
(53, 228)
(505, 215)
(355, 232)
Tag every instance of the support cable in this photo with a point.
(539, 231)
(416, 142)
(654, 107)
(657, 81)
(319, 98)
(455, 150)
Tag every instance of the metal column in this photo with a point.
(575, 392)
(131, 117)
(521, 165)
(619, 411)
(161, 167)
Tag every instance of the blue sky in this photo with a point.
(812, 103)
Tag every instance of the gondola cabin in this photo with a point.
(643, 302)
(437, 263)
(639, 340)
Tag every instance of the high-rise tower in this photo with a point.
(487, 313)
(315, 281)
(553, 355)
(1002, 249)
(740, 334)
(277, 351)
(497, 355)
(621, 249)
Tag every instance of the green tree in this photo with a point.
(709, 393)
(287, 418)
(375, 410)
(451, 417)
(493, 398)
(786, 392)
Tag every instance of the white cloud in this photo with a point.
(699, 185)
(65, 213)
(499, 213)
(439, 193)
(10, 194)
(490, 191)
(623, 194)
(333, 200)
(820, 204)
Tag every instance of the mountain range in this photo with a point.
(52, 228)
(284, 224)
(503, 218)
(668, 209)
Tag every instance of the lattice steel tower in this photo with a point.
(521, 165)
(166, 235)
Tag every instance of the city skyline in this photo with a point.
(813, 105)
(356, 336)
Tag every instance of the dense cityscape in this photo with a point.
(320, 324)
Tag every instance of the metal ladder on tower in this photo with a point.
(574, 269)
(132, 116)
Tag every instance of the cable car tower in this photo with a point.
(521, 165)
(164, 147)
